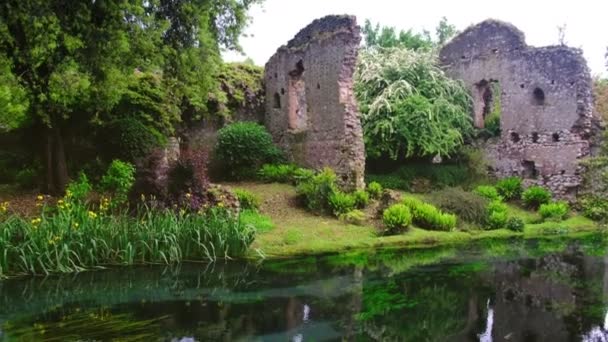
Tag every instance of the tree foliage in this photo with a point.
(64, 63)
(409, 107)
(389, 37)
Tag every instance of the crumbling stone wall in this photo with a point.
(311, 110)
(546, 103)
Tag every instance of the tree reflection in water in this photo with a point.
(538, 291)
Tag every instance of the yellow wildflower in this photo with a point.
(182, 212)
(143, 197)
(188, 195)
(40, 197)
(76, 224)
(4, 207)
(92, 215)
(36, 221)
(220, 204)
(60, 201)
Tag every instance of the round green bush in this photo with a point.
(515, 224)
(535, 196)
(118, 180)
(497, 215)
(361, 198)
(488, 192)
(470, 207)
(341, 203)
(133, 140)
(243, 147)
(555, 211)
(509, 188)
(396, 218)
(374, 189)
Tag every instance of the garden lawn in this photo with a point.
(299, 232)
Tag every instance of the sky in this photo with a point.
(277, 21)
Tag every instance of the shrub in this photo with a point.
(374, 189)
(341, 203)
(132, 139)
(248, 200)
(428, 216)
(243, 147)
(361, 198)
(409, 106)
(356, 217)
(396, 218)
(534, 196)
(277, 173)
(118, 181)
(497, 214)
(316, 191)
(509, 188)
(79, 189)
(555, 211)
(302, 175)
(594, 207)
(488, 192)
(467, 206)
(515, 224)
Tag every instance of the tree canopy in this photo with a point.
(409, 107)
(65, 63)
(388, 37)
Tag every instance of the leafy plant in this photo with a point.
(497, 214)
(361, 198)
(356, 217)
(278, 173)
(509, 188)
(535, 196)
(594, 207)
(515, 224)
(555, 211)
(315, 192)
(428, 216)
(133, 139)
(488, 192)
(467, 206)
(374, 189)
(341, 202)
(118, 181)
(409, 106)
(396, 218)
(247, 199)
(79, 189)
(243, 147)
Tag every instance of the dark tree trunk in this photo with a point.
(56, 173)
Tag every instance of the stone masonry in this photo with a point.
(546, 101)
(311, 110)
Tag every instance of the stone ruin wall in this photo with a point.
(311, 110)
(546, 122)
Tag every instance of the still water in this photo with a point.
(541, 290)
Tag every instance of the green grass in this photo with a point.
(299, 232)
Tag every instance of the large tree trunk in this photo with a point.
(55, 162)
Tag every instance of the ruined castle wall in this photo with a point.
(546, 102)
(311, 111)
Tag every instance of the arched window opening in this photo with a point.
(538, 97)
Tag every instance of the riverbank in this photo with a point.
(298, 232)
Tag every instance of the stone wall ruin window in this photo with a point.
(277, 101)
(485, 100)
(298, 109)
(515, 137)
(530, 170)
(538, 97)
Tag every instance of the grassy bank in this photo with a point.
(299, 232)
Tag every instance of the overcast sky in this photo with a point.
(277, 21)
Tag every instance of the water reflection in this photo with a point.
(537, 291)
